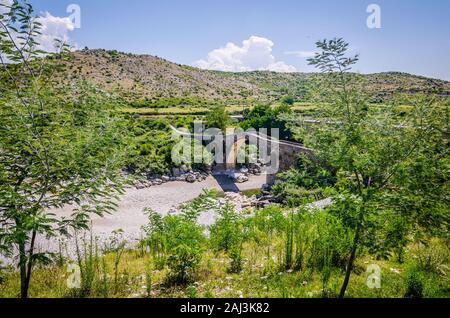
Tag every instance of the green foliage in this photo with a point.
(226, 233)
(381, 166)
(432, 256)
(88, 263)
(173, 102)
(315, 241)
(191, 152)
(288, 100)
(116, 245)
(184, 240)
(2, 275)
(265, 117)
(267, 222)
(218, 117)
(414, 284)
(307, 182)
(287, 253)
(150, 146)
(179, 241)
(59, 145)
(155, 237)
(247, 154)
(236, 259)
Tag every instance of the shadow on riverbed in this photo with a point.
(226, 184)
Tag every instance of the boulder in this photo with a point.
(244, 170)
(176, 172)
(191, 178)
(184, 169)
(208, 169)
(157, 182)
(165, 178)
(241, 178)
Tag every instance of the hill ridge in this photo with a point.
(148, 77)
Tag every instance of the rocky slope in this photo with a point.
(145, 77)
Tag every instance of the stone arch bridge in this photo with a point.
(279, 155)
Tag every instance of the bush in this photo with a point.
(218, 117)
(288, 100)
(176, 241)
(264, 116)
(156, 238)
(317, 241)
(150, 146)
(226, 233)
(414, 284)
(432, 257)
(266, 222)
(88, 261)
(307, 182)
(236, 259)
(184, 248)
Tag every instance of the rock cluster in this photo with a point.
(242, 202)
(242, 175)
(238, 177)
(182, 174)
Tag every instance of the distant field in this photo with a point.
(177, 111)
(299, 107)
(233, 109)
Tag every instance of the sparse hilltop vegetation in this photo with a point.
(150, 81)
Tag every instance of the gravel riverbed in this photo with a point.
(130, 218)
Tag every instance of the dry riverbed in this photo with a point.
(130, 217)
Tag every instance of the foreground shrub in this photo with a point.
(432, 256)
(184, 240)
(228, 235)
(226, 232)
(175, 241)
(414, 284)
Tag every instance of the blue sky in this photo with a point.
(414, 34)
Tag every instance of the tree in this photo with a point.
(218, 117)
(58, 145)
(267, 117)
(392, 172)
(288, 100)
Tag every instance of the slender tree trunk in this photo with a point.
(23, 271)
(351, 259)
(30, 262)
(349, 266)
(26, 266)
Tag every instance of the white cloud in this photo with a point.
(54, 28)
(255, 54)
(301, 54)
